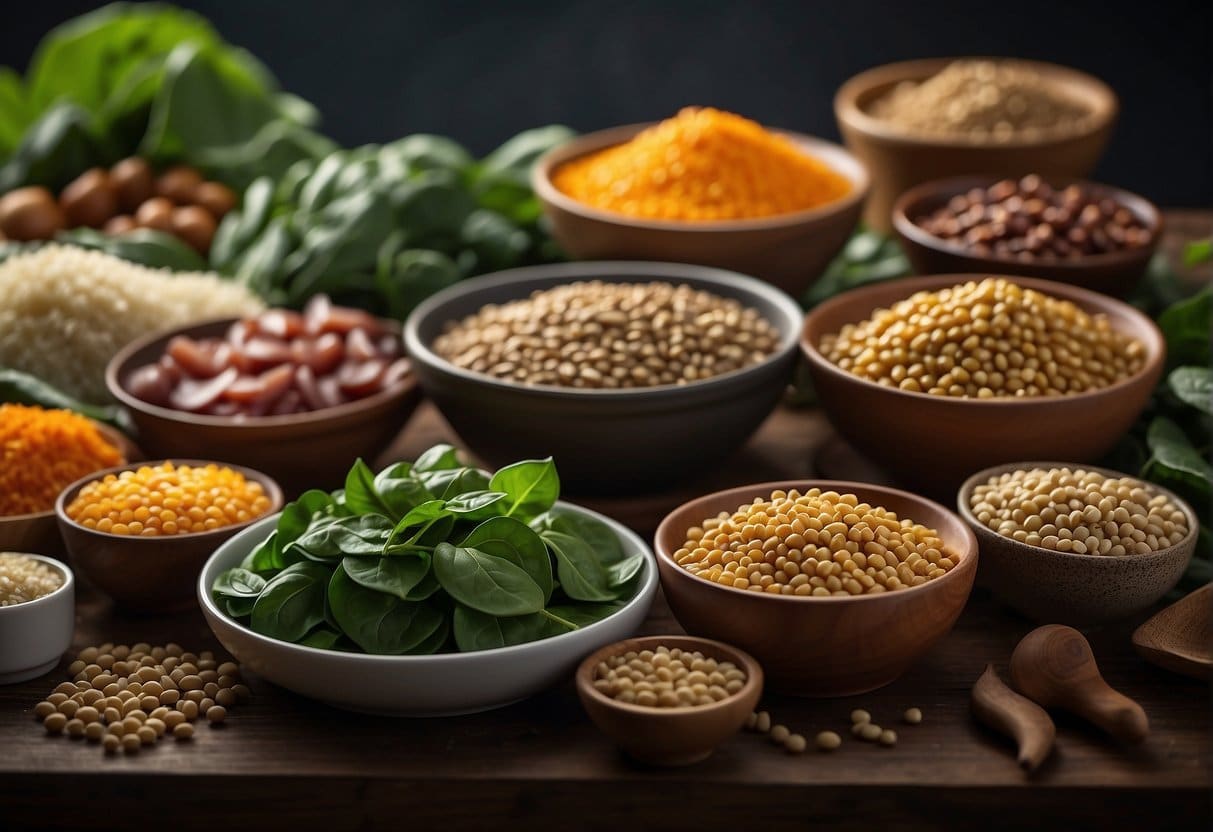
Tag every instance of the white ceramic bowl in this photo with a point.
(444, 684)
(34, 635)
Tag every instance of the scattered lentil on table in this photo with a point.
(42, 452)
(139, 694)
(814, 544)
(667, 678)
(596, 334)
(1080, 511)
(983, 101)
(986, 339)
(168, 499)
(1028, 219)
(702, 165)
(24, 579)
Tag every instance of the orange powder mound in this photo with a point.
(702, 165)
(44, 451)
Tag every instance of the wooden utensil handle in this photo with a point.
(1016, 716)
(1112, 711)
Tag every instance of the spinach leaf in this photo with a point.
(156, 249)
(441, 457)
(423, 515)
(622, 571)
(476, 505)
(400, 489)
(532, 487)
(360, 493)
(322, 638)
(1186, 328)
(451, 482)
(1175, 456)
(397, 576)
(22, 388)
(378, 622)
(422, 151)
(505, 537)
(1193, 386)
(292, 602)
(237, 607)
(514, 158)
(490, 584)
(298, 514)
(475, 630)
(585, 614)
(364, 534)
(53, 152)
(597, 535)
(578, 568)
(238, 583)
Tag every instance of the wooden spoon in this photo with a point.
(1018, 717)
(1180, 638)
(1054, 667)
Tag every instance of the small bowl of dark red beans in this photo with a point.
(1075, 232)
(298, 395)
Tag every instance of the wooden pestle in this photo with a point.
(1018, 717)
(1053, 666)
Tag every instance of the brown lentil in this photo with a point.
(983, 340)
(815, 544)
(664, 678)
(1028, 220)
(983, 101)
(610, 335)
(1079, 511)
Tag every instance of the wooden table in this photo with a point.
(285, 762)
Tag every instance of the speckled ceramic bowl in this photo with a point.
(1066, 588)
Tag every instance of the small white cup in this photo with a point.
(34, 635)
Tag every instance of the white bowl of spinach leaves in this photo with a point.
(429, 588)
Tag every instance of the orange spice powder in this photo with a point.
(702, 165)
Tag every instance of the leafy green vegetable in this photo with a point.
(1193, 386)
(21, 388)
(397, 562)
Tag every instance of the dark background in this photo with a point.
(481, 71)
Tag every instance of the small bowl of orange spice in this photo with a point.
(706, 187)
(42, 451)
(142, 532)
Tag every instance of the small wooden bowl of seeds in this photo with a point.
(1076, 544)
(669, 700)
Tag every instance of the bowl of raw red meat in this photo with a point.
(298, 395)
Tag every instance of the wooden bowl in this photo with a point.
(826, 646)
(148, 574)
(300, 451)
(1067, 588)
(898, 160)
(935, 442)
(1115, 273)
(789, 250)
(670, 736)
(630, 440)
(38, 532)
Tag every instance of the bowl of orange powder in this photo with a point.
(42, 451)
(706, 187)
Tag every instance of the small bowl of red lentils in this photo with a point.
(669, 700)
(141, 532)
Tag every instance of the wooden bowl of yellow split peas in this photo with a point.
(836, 588)
(934, 378)
(669, 700)
(142, 532)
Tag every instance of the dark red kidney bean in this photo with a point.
(151, 384)
(193, 395)
(196, 358)
(315, 313)
(358, 346)
(170, 368)
(389, 346)
(282, 324)
(322, 354)
(330, 392)
(268, 386)
(263, 352)
(342, 319)
(397, 371)
(240, 332)
(309, 389)
(358, 380)
(288, 403)
(223, 408)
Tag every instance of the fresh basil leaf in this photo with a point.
(1193, 386)
(486, 583)
(581, 575)
(238, 583)
(505, 537)
(438, 458)
(378, 622)
(531, 485)
(475, 630)
(364, 534)
(397, 576)
(292, 602)
(622, 571)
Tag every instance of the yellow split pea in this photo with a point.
(815, 544)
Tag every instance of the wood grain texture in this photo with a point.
(282, 761)
(1180, 638)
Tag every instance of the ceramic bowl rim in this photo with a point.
(1099, 97)
(268, 485)
(644, 594)
(1073, 558)
(69, 582)
(967, 564)
(312, 418)
(584, 675)
(851, 168)
(1085, 299)
(1142, 208)
(634, 271)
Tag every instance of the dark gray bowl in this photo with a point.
(604, 441)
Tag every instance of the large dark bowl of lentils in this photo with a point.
(1081, 233)
(631, 375)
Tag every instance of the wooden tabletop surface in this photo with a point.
(282, 761)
